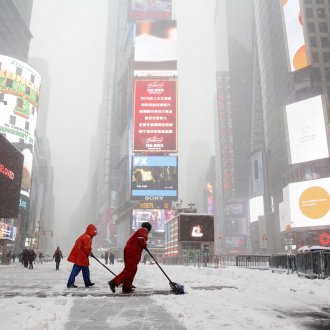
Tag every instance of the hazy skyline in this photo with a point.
(71, 37)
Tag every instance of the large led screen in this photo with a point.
(155, 116)
(150, 10)
(154, 178)
(307, 203)
(156, 217)
(306, 128)
(295, 34)
(11, 167)
(19, 90)
(155, 47)
(7, 231)
(196, 228)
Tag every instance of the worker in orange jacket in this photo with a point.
(132, 256)
(79, 257)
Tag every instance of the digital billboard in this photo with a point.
(7, 231)
(155, 47)
(307, 132)
(256, 208)
(294, 34)
(150, 10)
(154, 178)
(307, 203)
(196, 228)
(155, 116)
(19, 89)
(156, 217)
(11, 167)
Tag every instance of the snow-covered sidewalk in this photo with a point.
(231, 298)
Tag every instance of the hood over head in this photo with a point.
(91, 230)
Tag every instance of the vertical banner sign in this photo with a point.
(155, 115)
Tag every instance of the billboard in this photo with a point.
(7, 231)
(196, 228)
(155, 116)
(155, 48)
(11, 167)
(150, 10)
(294, 34)
(19, 89)
(156, 217)
(154, 178)
(256, 208)
(307, 203)
(306, 129)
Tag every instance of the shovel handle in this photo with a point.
(103, 265)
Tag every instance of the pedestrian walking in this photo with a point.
(31, 257)
(58, 256)
(112, 258)
(24, 257)
(79, 257)
(106, 256)
(132, 256)
(14, 256)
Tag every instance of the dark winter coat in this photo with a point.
(58, 255)
(83, 247)
(31, 256)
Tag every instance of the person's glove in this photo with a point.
(92, 255)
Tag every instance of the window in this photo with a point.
(323, 27)
(327, 74)
(311, 27)
(315, 57)
(32, 78)
(309, 12)
(18, 71)
(27, 125)
(321, 13)
(320, 2)
(325, 42)
(326, 57)
(27, 90)
(313, 41)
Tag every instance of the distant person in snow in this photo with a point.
(31, 258)
(58, 256)
(79, 257)
(132, 256)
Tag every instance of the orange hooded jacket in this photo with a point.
(83, 247)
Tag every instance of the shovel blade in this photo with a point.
(177, 288)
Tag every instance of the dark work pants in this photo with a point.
(76, 270)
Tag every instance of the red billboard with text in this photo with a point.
(155, 115)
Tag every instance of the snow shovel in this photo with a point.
(176, 287)
(103, 265)
(107, 267)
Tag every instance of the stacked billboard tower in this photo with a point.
(154, 167)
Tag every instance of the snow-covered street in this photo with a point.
(230, 297)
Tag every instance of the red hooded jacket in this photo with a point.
(83, 247)
(136, 243)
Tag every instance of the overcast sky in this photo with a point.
(70, 36)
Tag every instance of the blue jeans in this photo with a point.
(75, 271)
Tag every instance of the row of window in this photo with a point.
(323, 27)
(325, 42)
(318, 2)
(326, 57)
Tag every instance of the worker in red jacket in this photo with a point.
(132, 256)
(79, 257)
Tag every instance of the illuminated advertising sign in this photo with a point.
(11, 167)
(156, 217)
(155, 116)
(307, 203)
(155, 205)
(256, 208)
(196, 228)
(155, 47)
(307, 132)
(154, 178)
(235, 241)
(7, 231)
(19, 85)
(150, 10)
(295, 34)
